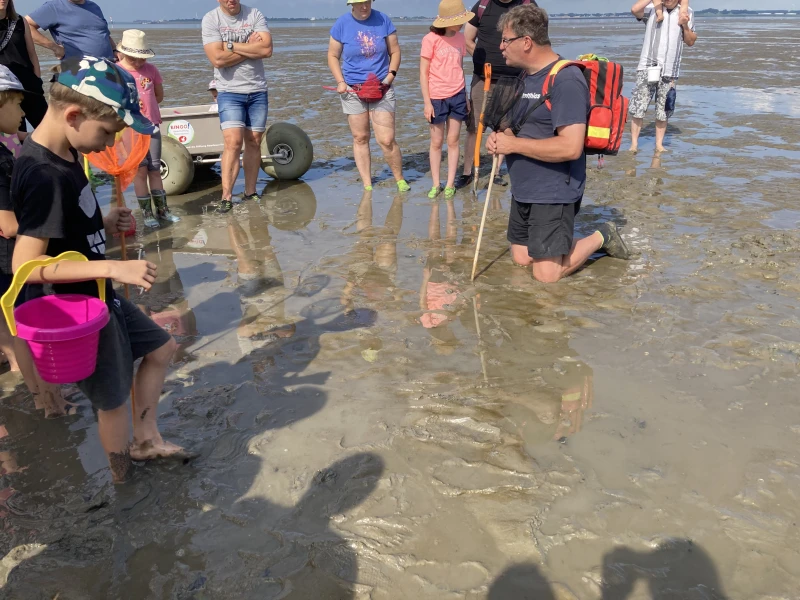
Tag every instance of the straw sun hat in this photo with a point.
(134, 43)
(451, 13)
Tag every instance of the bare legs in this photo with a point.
(233, 139)
(251, 160)
(636, 129)
(383, 125)
(437, 142)
(551, 270)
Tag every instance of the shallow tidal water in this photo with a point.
(630, 432)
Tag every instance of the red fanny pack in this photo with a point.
(372, 90)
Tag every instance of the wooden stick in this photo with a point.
(495, 162)
(480, 340)
(124, 247)
(487, 84)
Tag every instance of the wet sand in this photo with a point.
(628, 433)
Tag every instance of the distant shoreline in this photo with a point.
(708, 12)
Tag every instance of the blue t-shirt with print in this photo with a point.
(535, 181)
(364, 44)
(80, 28)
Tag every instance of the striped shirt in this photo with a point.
(670, 41)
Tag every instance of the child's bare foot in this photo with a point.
(661, 149)
(54, 405)
(633, 149)
(153, 449)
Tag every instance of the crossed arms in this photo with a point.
(258, 46)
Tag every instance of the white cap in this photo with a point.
(9, 81)
(212, 85)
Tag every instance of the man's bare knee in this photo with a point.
(520, 257)
(546, 276)
(361, 139)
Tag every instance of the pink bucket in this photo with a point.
(63, 333)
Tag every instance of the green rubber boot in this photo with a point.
(149, 220)
(163, 211)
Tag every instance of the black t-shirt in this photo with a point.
(536, 181)
(15, 56)
(53, 199)
(487, 45)
(6, 246)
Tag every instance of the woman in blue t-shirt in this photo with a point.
(364, 56)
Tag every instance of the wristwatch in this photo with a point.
(394, 73)
(230, 46)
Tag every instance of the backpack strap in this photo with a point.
(546, 88)
(550, 81)
(485, 4)
(482, 9)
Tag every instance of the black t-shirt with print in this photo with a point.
(53, 199)
(6, 246)
(487, 45)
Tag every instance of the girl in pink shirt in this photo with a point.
(441, 77)
(133, 55)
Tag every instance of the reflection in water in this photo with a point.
(440, 296)
(372, 261)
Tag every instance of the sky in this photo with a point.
(129, 10)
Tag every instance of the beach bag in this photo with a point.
(372, 90)
(608, 110)
(485, 4)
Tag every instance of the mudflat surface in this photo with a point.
(372, 425)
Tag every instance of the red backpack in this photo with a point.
(608, 110)
(485, 4)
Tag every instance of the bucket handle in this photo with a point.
(21, 276)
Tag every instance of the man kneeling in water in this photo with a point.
(547, 163)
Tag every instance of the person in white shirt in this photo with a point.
(660, 62)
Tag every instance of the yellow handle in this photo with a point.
(21, 276)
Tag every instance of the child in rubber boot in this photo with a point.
(444, 90)
(133, 55)
(90, 102)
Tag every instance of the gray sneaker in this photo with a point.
(613, 244)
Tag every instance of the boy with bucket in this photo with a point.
(90, 102)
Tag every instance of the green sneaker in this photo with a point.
(435, 191)
(367, 188)
(449, 192)
(224, 206)
(254, 196)
(613, 244)
(402, 186)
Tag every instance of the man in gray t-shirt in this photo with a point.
(236, 40)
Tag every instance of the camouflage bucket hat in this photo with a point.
(104, 81)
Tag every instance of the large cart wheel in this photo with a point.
(177, 167)
(295, 149)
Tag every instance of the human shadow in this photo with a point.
(677, 568)
(521, 582)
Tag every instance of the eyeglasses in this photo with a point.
(506, 42)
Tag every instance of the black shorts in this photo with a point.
(129, 335)
(545, 229)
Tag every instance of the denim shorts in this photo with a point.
(454, 107)
(243, 111)
(153, 158)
